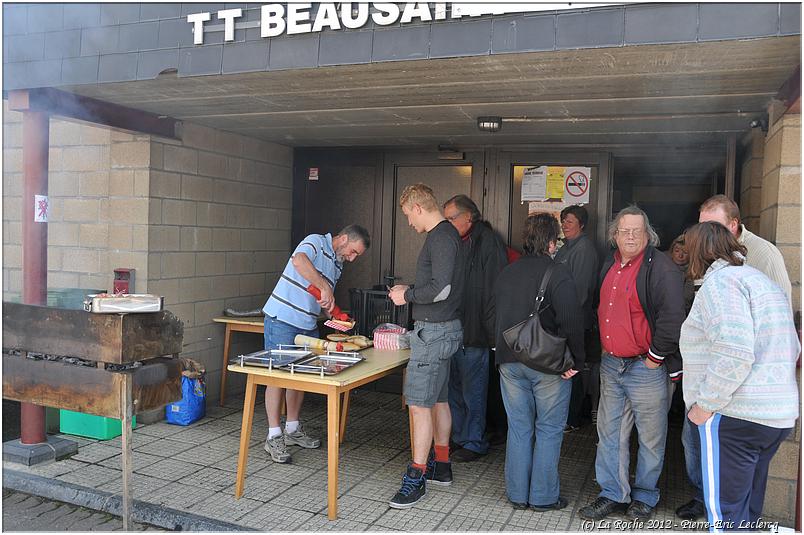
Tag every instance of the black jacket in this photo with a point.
(580, 256)
(486, 259)
(515, 291)
(660, 288)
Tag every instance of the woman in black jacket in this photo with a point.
(531, 471)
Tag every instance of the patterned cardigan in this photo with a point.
(739, 347)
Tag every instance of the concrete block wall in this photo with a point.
(204, 221)
(751, 178)
(98, 189)
(780, 200)
(219, 234)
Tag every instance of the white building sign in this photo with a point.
(298, 17)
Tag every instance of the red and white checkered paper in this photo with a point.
(389, 338)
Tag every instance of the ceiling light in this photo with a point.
(489, 124)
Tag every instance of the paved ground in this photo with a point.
(192, 470)
(22, 512)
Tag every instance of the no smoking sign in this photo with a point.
(577, 186)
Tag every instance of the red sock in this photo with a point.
(442, 453)
(422, 467)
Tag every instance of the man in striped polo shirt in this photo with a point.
(292, 310)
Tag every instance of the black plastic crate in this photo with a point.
(370, 308)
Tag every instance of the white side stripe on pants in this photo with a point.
(710, 466)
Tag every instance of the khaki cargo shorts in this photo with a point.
(431, 346)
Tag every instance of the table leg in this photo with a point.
(333, 442)
(128, 411)
(245, 434)
(344, 414)
(227, 336)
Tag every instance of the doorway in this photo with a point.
(446, 177)
(511, 169)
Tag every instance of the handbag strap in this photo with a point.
(542, 289)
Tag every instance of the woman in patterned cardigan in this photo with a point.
(739, 347)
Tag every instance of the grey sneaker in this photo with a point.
(277, 448)
(300, 438)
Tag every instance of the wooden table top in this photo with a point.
(250, 320)
(377, 361)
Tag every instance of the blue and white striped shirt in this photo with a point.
(290, 302)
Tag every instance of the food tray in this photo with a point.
(330, 364)
(123, 303)
(273, 358)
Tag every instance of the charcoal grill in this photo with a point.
(112, 365)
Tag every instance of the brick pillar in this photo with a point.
(780, 200)
(780, 222)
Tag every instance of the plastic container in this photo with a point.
(91, 426)
(371, 308)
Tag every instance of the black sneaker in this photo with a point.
(497, 437)
(639, 511)
(560, 504)
(518, 506)
(413, 489)
(465, 456)
(438, 472)
(601, 508)
(692, 510)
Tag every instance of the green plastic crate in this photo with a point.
(89, 425)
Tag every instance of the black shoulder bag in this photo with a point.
(533, 346)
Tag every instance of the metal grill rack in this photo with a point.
(274, 358)
(330, 364)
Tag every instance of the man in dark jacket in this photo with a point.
(640, 315)
(469, 370)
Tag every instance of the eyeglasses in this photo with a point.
(631, 232)
(454, 217)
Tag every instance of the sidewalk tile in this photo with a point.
(90, 475)
(417, 519)
(273, 517)
(226, 507)
(169, 469)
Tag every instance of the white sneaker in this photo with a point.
(300, 438)
(277, 448)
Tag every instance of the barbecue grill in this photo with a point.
(113, 365)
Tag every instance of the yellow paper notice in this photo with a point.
(555, 182)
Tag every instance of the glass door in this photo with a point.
(512, 169)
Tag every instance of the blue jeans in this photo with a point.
(277, 332)
(630, 383)
(468, 386)
(531, 471)
(691, 441)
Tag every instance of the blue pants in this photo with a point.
(735, 455)
(691, 441)
(537, 406)
(277, 332)
(468, 385)
(630, 383)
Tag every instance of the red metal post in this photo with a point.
(35, 144)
